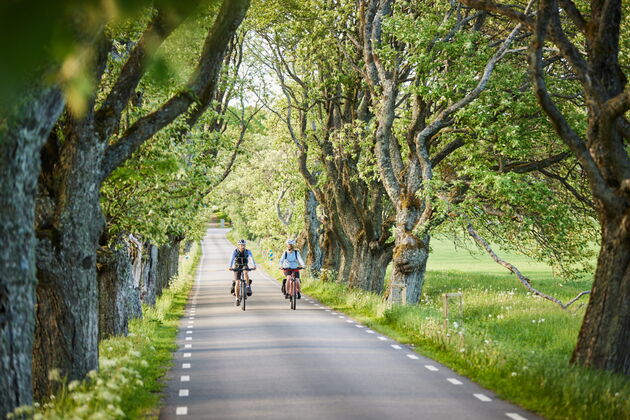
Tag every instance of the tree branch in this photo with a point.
(205, 77)
(524, 280)
(562, 127)
(108, 115)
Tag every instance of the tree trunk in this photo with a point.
(119, 300)
(167, 265)
(315, 256)
(70, 225)
(148, 281)
(604, 337)
(331, 255)
(409, 262)
(20, 145)
(369, 265)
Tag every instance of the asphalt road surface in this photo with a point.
(273, 363)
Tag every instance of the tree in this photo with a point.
(600, 149)
(82, 154)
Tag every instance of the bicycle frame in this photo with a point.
(241, 287)
(292, 287)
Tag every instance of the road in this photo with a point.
(273, 363)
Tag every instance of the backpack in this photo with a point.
(240, 260)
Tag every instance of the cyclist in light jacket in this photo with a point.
(290, 260)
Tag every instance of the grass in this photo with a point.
(507, 340)
(128, 383)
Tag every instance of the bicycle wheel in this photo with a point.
(243, 294)
(294, 295)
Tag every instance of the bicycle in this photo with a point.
(240, 290)
(292, 287)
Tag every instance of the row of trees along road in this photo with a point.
(418, 117)
(70, 126)
(405, 119)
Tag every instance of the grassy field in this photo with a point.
(508, 340)
(128, 383)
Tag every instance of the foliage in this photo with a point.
(161, 192)
(127, 383)
(262, 179)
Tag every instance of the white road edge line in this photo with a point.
(185, 365)
(382, 338)
(187, 354)
(183, 392)
(431, 368)
(454, 381)
(515, 416)
(396, 346)
(369, 331)
(188, 346)
(181, 411)
(482, 397)
(413, 356)
(184, 378)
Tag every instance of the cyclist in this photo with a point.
(241, 257)
(289, 262)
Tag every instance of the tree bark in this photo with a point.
(119, 300)
(167, 265)
(20, 145)
(148, 281)
(313, 226)
(604, 337)
(69, 230)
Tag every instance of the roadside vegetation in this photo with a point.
(128, 382)
(507, 340)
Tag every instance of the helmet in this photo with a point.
(290, 242)
(241, 242)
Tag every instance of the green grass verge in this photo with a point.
(507, 340)
(128, 383)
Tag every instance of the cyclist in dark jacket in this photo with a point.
(242, 258)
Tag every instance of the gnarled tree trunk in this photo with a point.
(148, 280)
(20, 145)
(607, 319)
(314, 257)
(119, 300)
(71, 222)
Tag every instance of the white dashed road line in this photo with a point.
(183, 393)
(482, 397)
(369, 331)
(431, 368)
(186, 366)
(187, 354)
(188, 346)
(382, 338)
(515, 416)
(413, 356)
(396, 346)
(454, 381)
(181, 411)
(185, 378)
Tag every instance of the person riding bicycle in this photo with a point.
(289, 262)
(240, 260)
